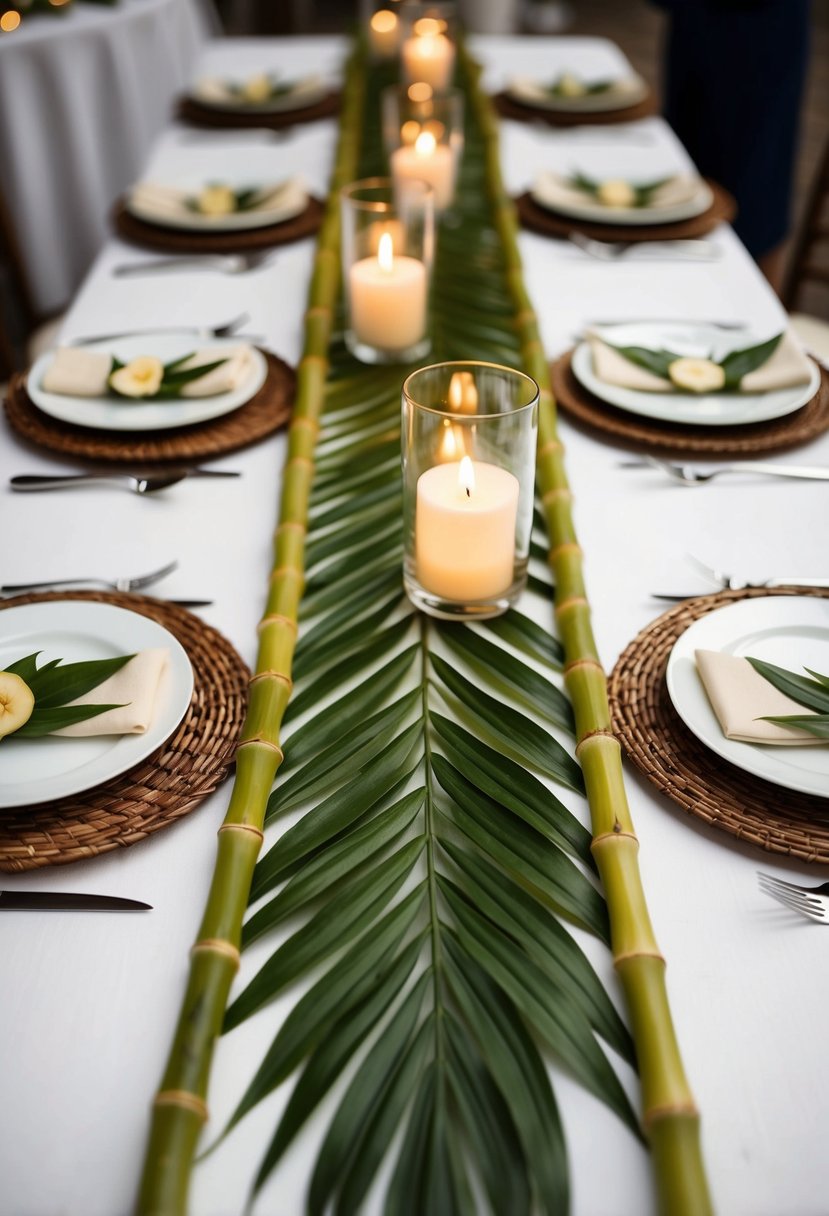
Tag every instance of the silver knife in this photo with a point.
(68, 901)
(34, 481)
(772, 582)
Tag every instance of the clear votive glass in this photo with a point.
(428, 51)
(423, 137)
(468, 449)
(384, 32)
(388, 247)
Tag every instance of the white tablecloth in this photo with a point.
(89, 1002)
(82, 96)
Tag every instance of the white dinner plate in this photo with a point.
(626, 91)
(790, 631)
(122, 414)
(696, 409)
(40, 770)
(165, 206)
(215, 94)
(685, 197)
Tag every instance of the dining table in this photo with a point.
(89, 1002)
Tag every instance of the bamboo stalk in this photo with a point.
(669, 1115)
(180, 1109)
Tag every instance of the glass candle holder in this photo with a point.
(427, 51)
(388, 246)
(468, 450)
(384, 33)
(423, 135)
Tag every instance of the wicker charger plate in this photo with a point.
(247, 240)
(656, 740)
(632, 430)
(198, 115)
(161, 789)
(508, 107)
(538, 219)
(266, 412)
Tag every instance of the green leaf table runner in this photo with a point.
(425, 891)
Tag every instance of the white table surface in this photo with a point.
(89, 1002)
(82, 96)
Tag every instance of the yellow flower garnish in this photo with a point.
(616, 193)
(16, 703)
(697, 375)
(258, 88)
(569, 85)
(216, 200)
(140, 377)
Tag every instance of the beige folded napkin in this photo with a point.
(78, 373)
(82, 373)
(158, 202)
(134, 687)
(741, 698)
(625, 90)
(558, 193)
(227, 92)
(786, 368)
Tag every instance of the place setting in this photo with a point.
(627, 211)
(693, 388)
(215, 217)
(151, 398)
(266, 100)
(572, 99)
(723, 702)
(120, 714)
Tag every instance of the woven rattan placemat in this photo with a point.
(265, 413)
(664, 750)
(631, 430)
(722, 211)
(168, 784)
(191, 111)
(248, 240)
(508, 107)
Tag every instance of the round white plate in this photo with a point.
(703, 409)
(627, 91)
(120, 414)
(307, 93)
(40, 770)
(284, 207)
(790, 631)
(563, 199)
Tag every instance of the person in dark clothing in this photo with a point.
(734, 74)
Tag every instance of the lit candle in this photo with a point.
(465, 530)
(426, 161)
(429, 56)
(383, 33)
(388, 299)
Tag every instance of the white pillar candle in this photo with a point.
(429, 58)
(465, 530)
(427, 161)
(384, 33)
(387, 295)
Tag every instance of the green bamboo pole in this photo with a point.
(180, 1108)
(669, 1114)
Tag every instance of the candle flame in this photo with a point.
(383, 21)
(427, 27)
(425, 143)
(466, 476)
(409, 131)
(452, 446)
(420, 91)
(385, 252)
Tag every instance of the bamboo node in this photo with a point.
(258, 741)
(558, 492)
(668, 1111)
(552, 445)
(595, 734)
(216, 945)
(616, 834)
(242, 827)
(631, 954)
(568, 546)
(306, 460)
(314, 359)
(291, 523)
(187, 1101)
(275, 618)
(594, 664)
(284, 571)
(572, 601)
(272, 675)
(318, 310)
(310, 423)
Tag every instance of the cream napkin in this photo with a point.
(741, 698)
(786, 368)
(556, 192)
(303, 91)
(134, 687)
(624, 91)
(224, 379)
(78, 373)
(162, 204)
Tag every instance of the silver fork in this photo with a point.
(610, 251)
(224, 263)
(811, 902)
(205, 331)
(118, 584)
(729, 582)
(688, 475)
